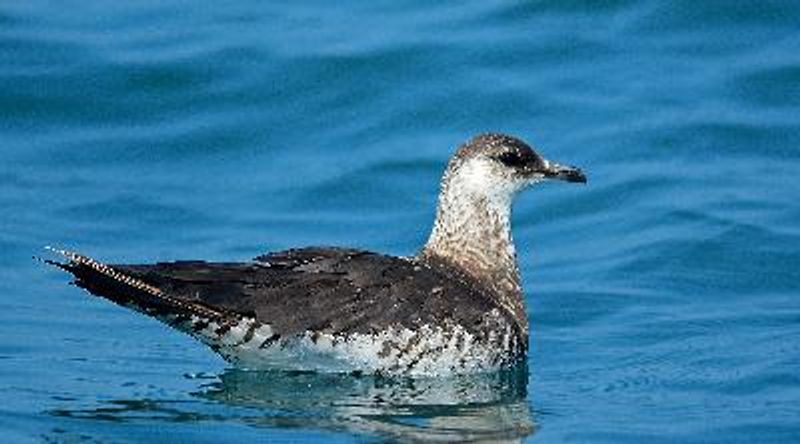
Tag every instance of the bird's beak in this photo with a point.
(564, 172)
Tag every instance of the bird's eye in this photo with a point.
(511, 159)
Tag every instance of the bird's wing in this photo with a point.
(328, 290)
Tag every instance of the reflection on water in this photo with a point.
(477, 408)
(482, 407)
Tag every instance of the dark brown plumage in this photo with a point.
(327, 290)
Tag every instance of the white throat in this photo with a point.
(473, 205)
(473, 230)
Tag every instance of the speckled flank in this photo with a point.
(427, 351)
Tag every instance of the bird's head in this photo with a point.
(498, 166)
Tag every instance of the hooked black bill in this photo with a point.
(564, 172)
(522, 158)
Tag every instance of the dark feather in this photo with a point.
(327, 290)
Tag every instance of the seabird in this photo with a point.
(455, 307)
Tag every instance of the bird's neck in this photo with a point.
(472, 232)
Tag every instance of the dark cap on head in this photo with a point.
(518, 156)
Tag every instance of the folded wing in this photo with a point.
(326, 290)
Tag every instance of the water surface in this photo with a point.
(663, 296)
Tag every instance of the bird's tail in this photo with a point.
(223, 331)
(124, 289)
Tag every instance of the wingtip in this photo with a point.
(62, 265)
(71, 255)
(53, 249)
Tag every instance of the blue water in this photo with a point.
(663, 296)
